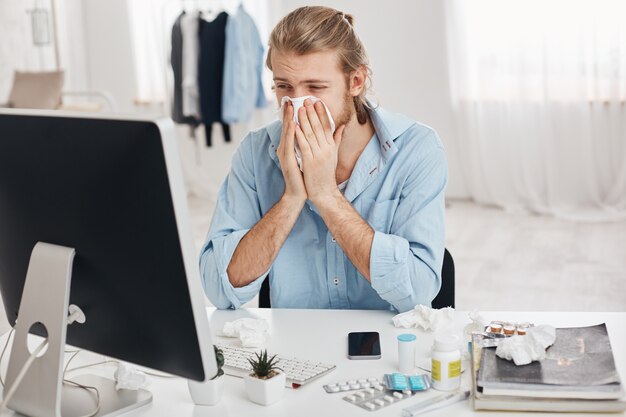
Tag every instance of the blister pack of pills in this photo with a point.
(371, 399)
(400, 382)
(354, 384)
(507, 329)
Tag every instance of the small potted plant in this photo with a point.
(266, 384)
(209, 392)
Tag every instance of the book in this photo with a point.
(579, 364)
(542, 388)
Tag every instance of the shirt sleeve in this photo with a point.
(236, 212)
(405, 264)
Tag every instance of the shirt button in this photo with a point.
(336, 281)
(333, 239)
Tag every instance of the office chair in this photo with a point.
(445, 297)
(44, 90)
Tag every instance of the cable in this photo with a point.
(66, 369)
(2, 354)
(107, 361)
(76, 315)
(22, 373)
(87, 388)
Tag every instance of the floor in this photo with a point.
(507, 261)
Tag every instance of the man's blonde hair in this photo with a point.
(316, 28)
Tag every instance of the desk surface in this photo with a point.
(322, 335)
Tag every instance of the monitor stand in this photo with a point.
(45, 301)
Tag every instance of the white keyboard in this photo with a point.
(297, 371)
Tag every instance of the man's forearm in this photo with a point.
(259, 247)
(350, 231)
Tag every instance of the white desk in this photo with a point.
(322, 335)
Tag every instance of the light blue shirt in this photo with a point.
(242, 86)
(397, 186)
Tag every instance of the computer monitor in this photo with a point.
(111, 188)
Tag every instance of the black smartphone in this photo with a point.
(363, 345)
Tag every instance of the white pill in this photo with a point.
(370, 391)
(370, 406)
(362, 381)
(353, 381)
(351, 398)
(388, 398)
(397, 394)
(331, 385)
(345, 387)
(379, 402)
(360, 394)
(378, 387)
(366, 384)
(334, 389)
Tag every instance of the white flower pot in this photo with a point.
(208, 392)
(265, 391)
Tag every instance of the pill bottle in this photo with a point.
(446, 363)
(406, 353)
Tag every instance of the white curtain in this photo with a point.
(539, 89)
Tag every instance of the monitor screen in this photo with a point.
(103, 186)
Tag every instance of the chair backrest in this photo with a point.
(445, 297)
(36, 90)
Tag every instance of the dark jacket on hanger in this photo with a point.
(211, 73)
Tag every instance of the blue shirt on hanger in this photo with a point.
(397, 186)
(242, 88)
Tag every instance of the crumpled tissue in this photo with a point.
(129, 377)
(528, 348)
(425, 317)
(251, 332)
(477, 324)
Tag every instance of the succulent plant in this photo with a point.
(263, 367)
(219, 357)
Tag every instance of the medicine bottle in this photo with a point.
(446, 364)
(406, 353)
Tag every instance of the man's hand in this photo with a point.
(319, 150)
(294, 182)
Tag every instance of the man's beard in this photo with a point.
(347, 112)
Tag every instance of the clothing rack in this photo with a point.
(169, 9)
(209, 9)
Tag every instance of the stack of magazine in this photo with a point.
(578, 375)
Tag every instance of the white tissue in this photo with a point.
(298, 102)
(425, 317)
(251, 332)
(526, 349)
(129, 377)
(477, 324)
